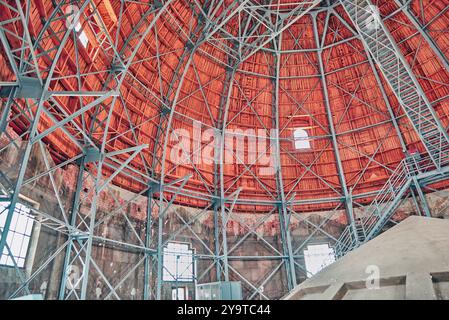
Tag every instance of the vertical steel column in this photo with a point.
(158, 150)
(73, 216)
(219, 157)
(93, 208)
(422, 197)
(217, 259)
(117, 74)
(218, 202)
(284, 221)
(162, 176)
(156, 163)
(148, 239)
(191, 47)
(161, 7)
(348, 199)
(5, 113)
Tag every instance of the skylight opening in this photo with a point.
(81, 35)
(318, 257)
(301, 138)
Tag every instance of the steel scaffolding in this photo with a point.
(87, 128)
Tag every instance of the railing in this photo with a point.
(382, 47)
(384, 205)
(394, 186)
(407, 89)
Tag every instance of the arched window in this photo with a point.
(302, 141)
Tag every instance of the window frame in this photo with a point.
(167, 276)
(303, 139)
(175, 293)
(22, 261)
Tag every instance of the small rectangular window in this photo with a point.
(178, 262)
(18, 239)
(318, 257)
(301, 138)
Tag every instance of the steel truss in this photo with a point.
(399, 75)
(34, 95)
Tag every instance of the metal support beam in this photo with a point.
(380, 85)
(423, 32)
(33, 133)
(399, 75)
(73, 220)
(284, 219)
(422, 197)
(342, 179)
(221, 266)
(148, 242)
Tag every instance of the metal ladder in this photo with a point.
(377, 214)
(382, 208)
(379, 42)
(381, 45)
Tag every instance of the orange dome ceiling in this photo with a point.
(243, 75)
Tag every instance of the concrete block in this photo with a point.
(419, 286)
